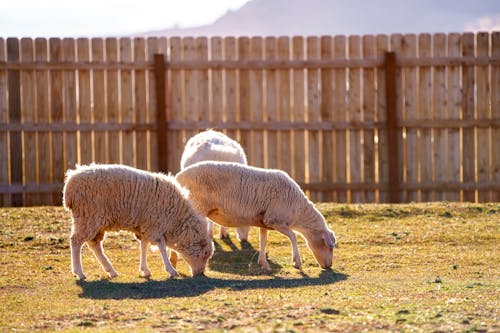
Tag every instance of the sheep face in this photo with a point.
(197, 255)
(321, 245)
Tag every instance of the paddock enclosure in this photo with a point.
(373, 118)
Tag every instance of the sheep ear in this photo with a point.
(329, 239)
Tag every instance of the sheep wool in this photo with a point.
(237, 195)
(212, 145)
(153, 206)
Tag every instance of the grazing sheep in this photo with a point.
(237, 195)
(151, 205)
(212, 145)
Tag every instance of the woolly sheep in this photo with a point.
(212, 145)
(237, 195)
(151, 205)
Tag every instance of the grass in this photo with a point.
(416, 267)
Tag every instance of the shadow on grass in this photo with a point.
(243, 261)
(195, 286)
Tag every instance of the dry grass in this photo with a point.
(416, 267)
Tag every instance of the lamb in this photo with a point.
(151, 205)
(212, 145)
(236, 195)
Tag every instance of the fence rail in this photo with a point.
(352, 118)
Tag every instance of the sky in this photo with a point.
(89, 18)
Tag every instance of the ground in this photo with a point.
(414, 267)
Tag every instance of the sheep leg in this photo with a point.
(262, 251)
(96, 246)
(293, 239)
(243, 233)
(173, 258)
(76, 255)
(163, 250)
(143, 263)
(222, 232)
(210, 229)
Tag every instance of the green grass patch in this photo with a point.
(414, 267)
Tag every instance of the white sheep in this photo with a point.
(151, 205)
(236, 195)
(212, 145)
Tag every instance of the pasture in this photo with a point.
(410, 267)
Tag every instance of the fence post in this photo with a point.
(161, 117)
(16, 149)
(392, 126)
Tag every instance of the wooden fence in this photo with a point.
(351, 118)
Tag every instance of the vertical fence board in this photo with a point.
(326, 113)
(28, 111)
(84, 102)
(271, 105)
(381, 116)
(112, 100)
(154, 46)
(284, 138)
(314, 115)
(175, 111)
(354, 114)
(468, 135)
(4, 118)
(339, 114)
(56, 116)
(256, 150)
(368, 114)
(43, 117)
(15, 137)
(99, 101)
(244, 92)
(424, 113)
(217, 81)
(231, 110)
(69, 104)
(128, 155)
(201, 51)
(298, 110)
(453, 105)
(141, 112)
(483, 112)
(495, 113)
(439, 100)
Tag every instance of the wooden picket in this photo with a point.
(335, 112)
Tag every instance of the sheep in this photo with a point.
(236, 195)
(212, 145)
(153, 206)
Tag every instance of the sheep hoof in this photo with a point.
(297, 265)
(174, 274)
(265, 266)
(112, 274)
(145, 274)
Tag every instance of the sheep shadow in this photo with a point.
(242, 261)
(195, 286)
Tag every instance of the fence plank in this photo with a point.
(141, 108)
(495, 112)
(271, 106)
(28, 111)
(4, 118)
(43, 116)
(368, 114)
(231, 110)
(381, 116)
(128, 148)
(284, 106)
(256, 149)
(314, 114)
(99, 102)
(156, 46)
(56, 116)
(217, 81)
(339, 114)
(483, 112)
(113, 102)
(244, 91)
(175, 111)
(327, 105)
(69, 104)
(84, 102)
(424, 113)
(354, 113)
(201, 54)
(453, 159)
(468, 143)
(298, 110)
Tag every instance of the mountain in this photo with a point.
(331, 17)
